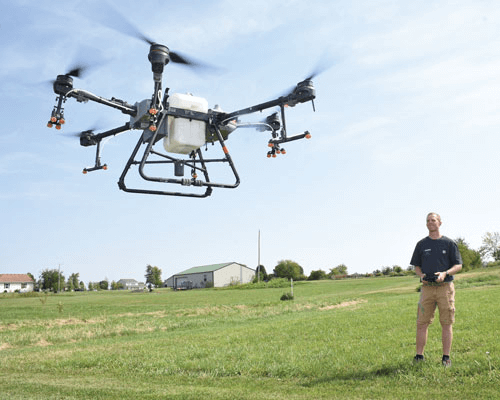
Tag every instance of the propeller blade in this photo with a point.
(110, 17)
(82, 133)
(77, 71)
(87, 58)
(322, 66)
(177, 58)
(113, 19)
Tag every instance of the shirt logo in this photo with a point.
(444, 251)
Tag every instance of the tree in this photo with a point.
(491, 245)
(339, 270)
(36, 284)
(73, 283)
(103, 285)
(116, 285)
(471, 259)
(51, 279)
(317, 275)
(386, 270)
(290, 270)
(397, 269)
(260, 273)
(153, 276)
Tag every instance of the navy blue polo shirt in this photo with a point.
(436, 255)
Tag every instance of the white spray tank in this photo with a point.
(183, 134)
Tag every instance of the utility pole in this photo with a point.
(258, 266)
(59, 279)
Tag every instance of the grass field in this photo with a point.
(350, 339)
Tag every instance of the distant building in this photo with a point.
(131, 284)
(216, 275)
(16, 282)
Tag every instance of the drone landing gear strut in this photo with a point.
(98, 164)
(195, 161)
(88, 138)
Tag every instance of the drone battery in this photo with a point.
(183, 134)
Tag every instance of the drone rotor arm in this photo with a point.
(113, 132)
(261, 126)
(302, 93)
(84, 95)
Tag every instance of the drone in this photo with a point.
(183, 123)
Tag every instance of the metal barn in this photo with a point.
(219, 274)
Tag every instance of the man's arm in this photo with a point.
(451, 271)
(418, 272)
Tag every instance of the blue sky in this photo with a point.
(407, 121)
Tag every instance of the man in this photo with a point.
(436, 259)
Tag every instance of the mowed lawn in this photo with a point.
(350, 339)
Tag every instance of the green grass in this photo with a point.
(350, 339)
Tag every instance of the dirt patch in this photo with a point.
(5, 346)
(342, 305)
(43, 343)
(8, 327)
(151, 313)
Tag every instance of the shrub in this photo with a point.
(317, 275)
(209, 284)
(286, 296)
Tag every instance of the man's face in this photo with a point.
(433, 223)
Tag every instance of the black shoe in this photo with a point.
(446, 361)
(418, 359)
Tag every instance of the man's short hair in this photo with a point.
(436, 214)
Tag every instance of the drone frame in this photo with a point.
(157, 113)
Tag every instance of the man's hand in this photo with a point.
(440, 276)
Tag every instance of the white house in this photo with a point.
(216, 275)
(132, 284)
(16, 282)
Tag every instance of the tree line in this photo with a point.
(292, 270)
(53, 280)
(487, 255)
